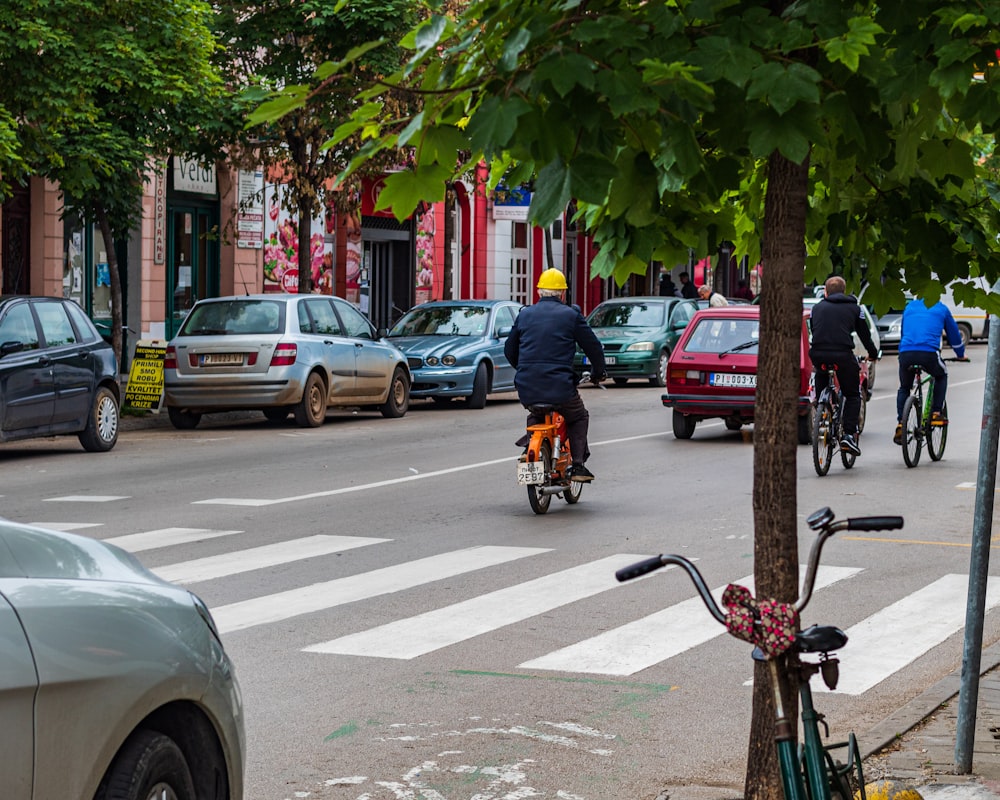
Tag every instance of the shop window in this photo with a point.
(86, 274)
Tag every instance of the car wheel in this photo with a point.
(733, 424)
(149, 765)
(182, 419)
(480, 385)
(310, 412)
(683, 425)
(660, 379)
(398, 401)
(277, 414)
(101, 432)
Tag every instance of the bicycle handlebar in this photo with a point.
(822, 520)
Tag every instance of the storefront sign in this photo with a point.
(250, 213)
(145, 378)
(160, 218)
(371, 188)
(511, 204)
(190, 176)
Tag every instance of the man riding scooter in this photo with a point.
(541, 347)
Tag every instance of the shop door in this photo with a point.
(192, 261)
(390, 281)
(14, 253)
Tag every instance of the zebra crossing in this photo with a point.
(881, 645)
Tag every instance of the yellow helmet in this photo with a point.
(552, 279)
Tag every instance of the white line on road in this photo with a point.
(650, 640)
(203, 569)
(424, 633)
(66, 526)
(86, 498)
(165, 537)
(887, 641)
(320, 596)
(258, 501)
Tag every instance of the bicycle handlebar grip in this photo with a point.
(639, 569)
(874, 523)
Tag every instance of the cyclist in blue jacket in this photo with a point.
(920, 343)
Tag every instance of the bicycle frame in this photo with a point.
(813, 773)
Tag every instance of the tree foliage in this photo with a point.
(297, 51)
(101, 90)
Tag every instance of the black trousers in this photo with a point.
(577, 426)
(849, 377)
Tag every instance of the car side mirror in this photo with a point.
(381, 333)
(504, 332)
(11, 347)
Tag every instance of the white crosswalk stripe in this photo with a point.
(328, 594)
(648, 641)
(415, 636)
(165, 537)
(220, 566)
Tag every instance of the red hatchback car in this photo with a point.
(712, 372)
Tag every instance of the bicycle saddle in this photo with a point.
(541, 408)
(915, 368)
(820, 639)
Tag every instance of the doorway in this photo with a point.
(15, 252)
(192, 261)
(390, 280)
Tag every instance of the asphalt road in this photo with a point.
(412, 630)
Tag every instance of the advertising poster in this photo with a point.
(281, 248)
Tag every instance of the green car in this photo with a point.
(638, 334)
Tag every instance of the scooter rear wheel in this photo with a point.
(539, 501)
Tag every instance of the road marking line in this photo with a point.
(86, 498)
(890, 639)
(424, 633)
(165, 537)
(906, 541)
(66, 526)
(638, 645)
(965, 486)
(203, 569)
(321, 596)
(260, 502)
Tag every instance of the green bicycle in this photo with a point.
(917, 428)
(811, 772)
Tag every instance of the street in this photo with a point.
(404, 626)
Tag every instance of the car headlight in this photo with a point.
(448, 361)
(431, 361)
(639, 347)
(895, 326)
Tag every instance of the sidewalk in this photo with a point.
(915, 747)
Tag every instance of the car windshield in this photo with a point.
(234, 317)
(443, 321)
(628, 315)
(716, 335)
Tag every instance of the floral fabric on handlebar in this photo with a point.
(768, 624)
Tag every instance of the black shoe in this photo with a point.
(849, 445)
(522, 442)
(580, 474)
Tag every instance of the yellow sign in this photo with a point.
(145, 377)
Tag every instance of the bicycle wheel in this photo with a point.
(848, 459)
(539, 501)
(937, 436)
(823, 436)
(913, 432)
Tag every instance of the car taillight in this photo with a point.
(284, 355)
(685, 376)
(170, 359)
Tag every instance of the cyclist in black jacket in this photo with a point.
(834, 319)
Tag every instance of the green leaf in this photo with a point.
(290, 98)
(552, 193)
(404, 190)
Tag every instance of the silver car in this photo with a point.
(114, 682)
(281, 354)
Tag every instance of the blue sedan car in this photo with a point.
(455, 349)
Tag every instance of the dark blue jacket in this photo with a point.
(541, 347)
(921, 328)
(834, 319)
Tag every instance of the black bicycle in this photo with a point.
(828, 423)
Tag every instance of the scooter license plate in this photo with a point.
(530, 473)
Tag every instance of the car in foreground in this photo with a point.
(280, 354)
(638, 334)
(115, 684)
(859, 349)
(712, 373)
(57, 375)
(454, 348)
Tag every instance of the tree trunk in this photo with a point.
(776, 559)
(305, 247)
(116, 283)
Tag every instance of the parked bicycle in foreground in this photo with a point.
(811, 772)
(917, 425)
(828, 423)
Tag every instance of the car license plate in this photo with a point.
(530, 472)
(607, 359)
(732, 379)
(217, 359)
